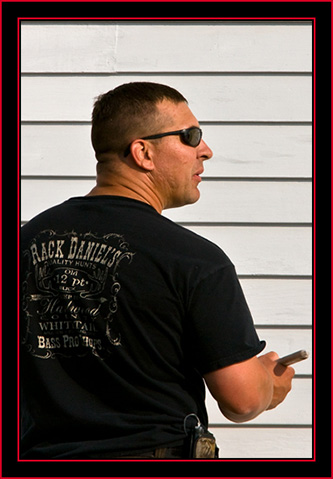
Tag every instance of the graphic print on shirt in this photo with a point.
(69, 293)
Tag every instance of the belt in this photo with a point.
(159, 453)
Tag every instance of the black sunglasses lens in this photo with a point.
(192, 136)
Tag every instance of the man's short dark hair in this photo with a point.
(126, 113)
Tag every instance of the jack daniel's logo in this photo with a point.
(69, 293)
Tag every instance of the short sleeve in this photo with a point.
(221, 331)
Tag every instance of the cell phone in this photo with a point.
(293, 357)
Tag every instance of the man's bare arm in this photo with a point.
(246, 389)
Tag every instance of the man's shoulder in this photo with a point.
(193, 244)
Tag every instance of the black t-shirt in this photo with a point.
(122, 312)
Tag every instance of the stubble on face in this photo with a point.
(178, 166)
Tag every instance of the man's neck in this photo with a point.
(126, 192)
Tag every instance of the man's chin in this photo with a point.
(183, 202)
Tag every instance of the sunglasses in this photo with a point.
(190, 136)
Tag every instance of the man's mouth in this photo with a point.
(197, 175)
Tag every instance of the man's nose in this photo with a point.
(204, 151)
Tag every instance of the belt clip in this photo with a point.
(196, 417)
(202, 443)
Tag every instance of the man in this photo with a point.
(125, 312)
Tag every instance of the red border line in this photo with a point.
(313, 19)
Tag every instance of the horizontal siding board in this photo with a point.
(226, 202)
(280, 302)
(264, 250)
(156, 47)
(246, 201)
(57, 150)
(264, 443)
(69, 48)
(211, 98)
(257, 151)
(295, 409)
(286, 341)
(224, 48)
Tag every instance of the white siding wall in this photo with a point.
(250, 86)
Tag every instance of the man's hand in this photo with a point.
(281, 376)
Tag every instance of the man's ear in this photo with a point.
(142, 154)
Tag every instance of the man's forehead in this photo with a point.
(176, 112)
